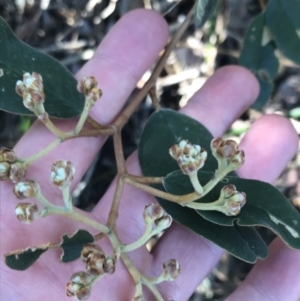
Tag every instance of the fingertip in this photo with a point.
(270, 143)
(223, 98)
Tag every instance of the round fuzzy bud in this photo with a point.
(62, 173)
(109, 265)
(153, 212)
(86, 84)
(164, 222)
(17, 172)
(26, 189)
(7, 155)
(89, 250)
(4, 171)
(95, 264)
(27, 212)
(79, 287)
(227, 151)
(189, 157)
(20, 88)
(95, 94)
(171, 269)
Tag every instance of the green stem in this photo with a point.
(67, 197)
(195, 182)
(141, 241)
(84, 115)
(42, 153)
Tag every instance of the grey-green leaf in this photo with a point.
(73, 245)
(282, 18)
(165, 128)
(204, 10)
(259, 57)
(22, 260)
(265, 205)
(16, 58)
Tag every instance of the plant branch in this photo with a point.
(145, 180)
(124, 116)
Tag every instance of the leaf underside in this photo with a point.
(73, 245)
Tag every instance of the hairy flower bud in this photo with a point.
(171, 269)
(227, 151)
(189, 157)
(95, 264)
(86, 85)
(7, 155)
(164, 222)
(233, 200)
(62, 173)
(153, 212)
(89, 250)
(79, 286)
(32, 91)
(26, 189)
(17, 172)
(109, 265)
(27, 212)
(4, 171)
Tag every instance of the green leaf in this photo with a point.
(166, 128)
(204, 10)
(23, 259)
(282, 18)
(73, 245)
(259, 57)
(16, 58)
(265, 205)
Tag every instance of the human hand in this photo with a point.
(125, 54)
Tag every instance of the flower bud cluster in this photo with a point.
(32, 91)
(27, 212)
(97, 263)
(227, 153)
(9, 167)
(88, 87)
(190, 157)
(79, 286)
(171, 269)
(155, 213)
(62, 173)
(232, 200)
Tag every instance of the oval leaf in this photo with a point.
(282, 18)
(16, 58)
(23, 259)
(259, 57)
(73, 245)
(265, 205)
(165, 128)
(204, 10)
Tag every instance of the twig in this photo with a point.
(153, 96)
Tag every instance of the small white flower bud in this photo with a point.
(62, 173)
(4, 171)
(95, 264)
(17, 172)
(7, 155)
(26, 189)
(171, 269)
(189, 157)
(86, 84)
(153, 212)
(164, 222)
(89, 250)
(109, 265)
(79, 286)
(227, 153)
(27, 212)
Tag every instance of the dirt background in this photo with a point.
(71, 30)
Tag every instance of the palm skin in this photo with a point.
(122, 58)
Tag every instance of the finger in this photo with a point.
(260, 163)
(134, 201)
(276, 278)
(109, 69)
(201, 251)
